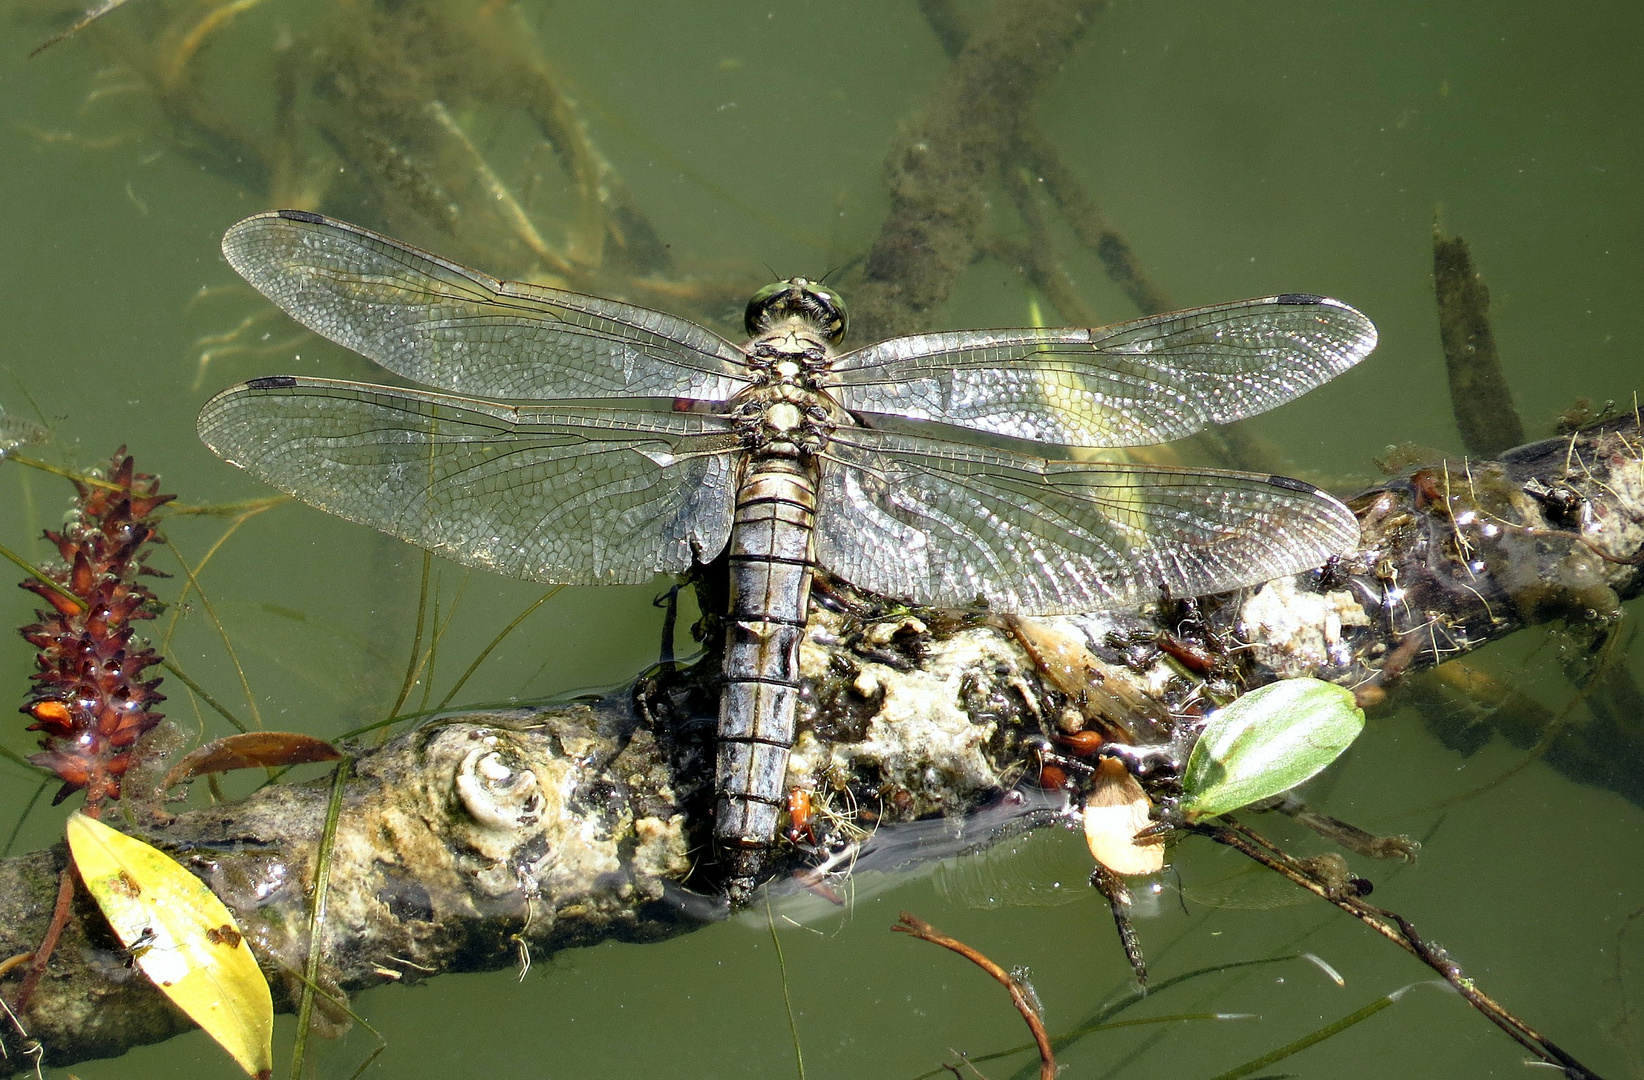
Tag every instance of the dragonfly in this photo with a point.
(572, 439)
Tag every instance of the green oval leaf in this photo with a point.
(1267, 742)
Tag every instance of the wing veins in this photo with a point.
(1149, 381)
(545, 491)
(350, 285)
(1037, 536)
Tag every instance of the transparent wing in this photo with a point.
(580, 495)
(446, 326)
(1133, 384)
(948, 524)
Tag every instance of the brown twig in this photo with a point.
(924, 931)
(48, 942)
(1397, 929)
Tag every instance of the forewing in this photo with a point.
(446, 326)
(1132, 384)
(951, 525)
(572, 494)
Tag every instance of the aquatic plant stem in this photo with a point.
(1314, 1037)
(1397, 929)
(199, 691)
(787, 997)
(501, 635)
(316, 918)
(28, 808)
(38, 574)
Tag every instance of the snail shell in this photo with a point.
(496, 788)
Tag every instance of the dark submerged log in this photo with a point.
(937, 173)
(1458, 553)
(1479, 395)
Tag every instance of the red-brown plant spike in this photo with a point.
(90, 699)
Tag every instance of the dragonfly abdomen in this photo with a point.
(770, 581)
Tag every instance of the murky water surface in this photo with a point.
(1243, 148)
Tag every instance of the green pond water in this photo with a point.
(1243, 148)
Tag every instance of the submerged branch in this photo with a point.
(937, 174)
(564, 825)
(1479, 394)
(1397, 929)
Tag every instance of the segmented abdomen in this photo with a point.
(770, 572)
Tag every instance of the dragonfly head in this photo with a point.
(797, 298)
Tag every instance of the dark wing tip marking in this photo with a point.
(307, 216)
(272, 382)
(1288, 484)
(1301, 298)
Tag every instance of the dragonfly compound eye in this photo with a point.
(797, 298)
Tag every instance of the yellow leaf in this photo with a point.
(182, 937)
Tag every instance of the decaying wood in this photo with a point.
(561, 826)
(456, 840)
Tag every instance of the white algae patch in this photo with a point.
(1296, 632)
(921, 740)
(1618, 532)
(660, 848)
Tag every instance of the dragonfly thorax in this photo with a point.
(793, 352)
(783, 420)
